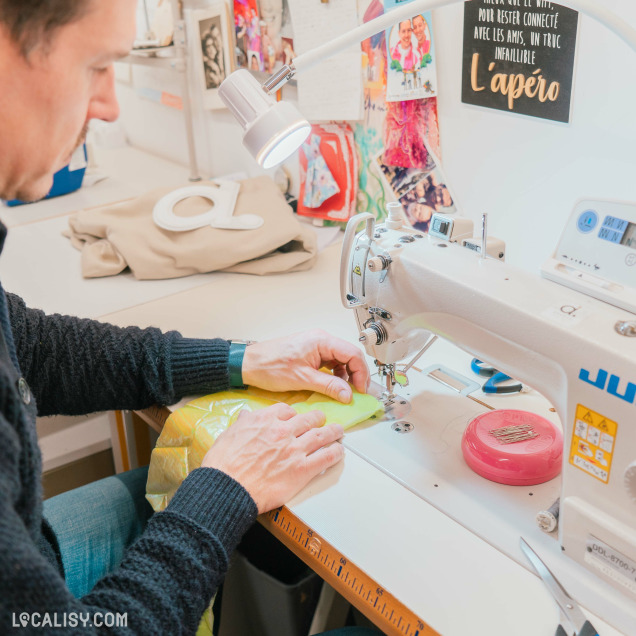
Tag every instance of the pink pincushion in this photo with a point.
(523, 463)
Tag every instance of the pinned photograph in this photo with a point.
(212, 51)
(247, 30)
(254, 58)
(410, 58)
(429, 195)
(276, 33)
(421, 191)
(400, 179)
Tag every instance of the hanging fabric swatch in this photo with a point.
(319, 182)
(328, 173)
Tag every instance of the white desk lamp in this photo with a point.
(275, 130)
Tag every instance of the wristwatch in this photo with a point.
(235, 362)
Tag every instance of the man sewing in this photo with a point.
(56, 67)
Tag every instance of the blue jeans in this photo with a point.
(96, 523)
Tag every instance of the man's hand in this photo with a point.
(293, 363)
(274, 452)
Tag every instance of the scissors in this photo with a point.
(495, 381)
(573, 621)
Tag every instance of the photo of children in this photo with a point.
(247, 29)
(411, 71)
(420, 191)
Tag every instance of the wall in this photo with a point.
(526, 173)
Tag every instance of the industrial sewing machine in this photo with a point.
(575, 350)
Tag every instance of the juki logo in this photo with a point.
(611, 387)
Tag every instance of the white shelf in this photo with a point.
(83, 439)
(173, 57)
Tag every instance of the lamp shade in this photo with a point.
(273, 130)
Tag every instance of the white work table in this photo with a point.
(453, 580)
(40, 264)
(444, 573)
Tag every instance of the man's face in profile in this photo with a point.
(51, 95)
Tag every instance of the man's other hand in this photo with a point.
(293, 363)
(274, 452)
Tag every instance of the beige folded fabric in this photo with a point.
(123, 234)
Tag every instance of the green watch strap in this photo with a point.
(235, 364)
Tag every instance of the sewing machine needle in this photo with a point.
(421, 352)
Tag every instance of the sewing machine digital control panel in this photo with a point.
(597, 252)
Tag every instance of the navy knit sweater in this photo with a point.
(66, 365)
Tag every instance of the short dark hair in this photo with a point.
(33, 22)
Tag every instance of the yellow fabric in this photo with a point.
(361, 408)
(191, 430)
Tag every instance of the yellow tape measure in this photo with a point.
(380, 607)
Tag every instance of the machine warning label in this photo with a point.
(593, 443)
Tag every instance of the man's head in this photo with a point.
(419, 27)
(56, 70)
(404, 33)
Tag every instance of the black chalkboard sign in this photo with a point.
(519, 56)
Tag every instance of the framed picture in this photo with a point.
(213, 45)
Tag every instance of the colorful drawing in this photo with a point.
(411, 70)
(407, 125)
(372, 191)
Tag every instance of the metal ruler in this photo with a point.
(380, 607)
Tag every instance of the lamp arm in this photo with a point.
(593, 8)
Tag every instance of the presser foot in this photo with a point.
(395, 406)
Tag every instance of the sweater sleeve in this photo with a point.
(167, 577)
(77, 366)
